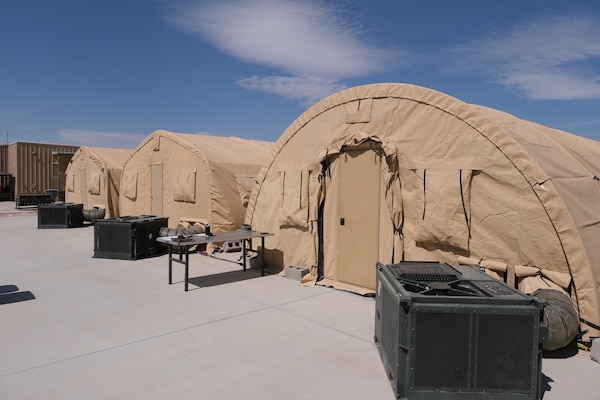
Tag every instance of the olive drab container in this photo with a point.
(454, 332)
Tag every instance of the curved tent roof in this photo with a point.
(192, 177)
(93, 178)
(462, 184)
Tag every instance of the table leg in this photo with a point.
(187, 263)
(262, 250)
(170, 264)
(244, 252)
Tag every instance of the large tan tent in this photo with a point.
(93, 178)
(192, 178)
(393, 172)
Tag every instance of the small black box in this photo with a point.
(60, 215)
(457, 333)
(128, 238)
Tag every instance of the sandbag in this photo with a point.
(181, 231)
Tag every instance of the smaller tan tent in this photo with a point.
(192, 178)
(93, 178)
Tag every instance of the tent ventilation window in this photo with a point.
(443, 197)
(93, 183)
(293, 209)
(130, 185)
(70, 182)
(185, 186)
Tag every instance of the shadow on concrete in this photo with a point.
(545, 387)
(10, 294)
(8, 289)
(224, 278)
(565, 352)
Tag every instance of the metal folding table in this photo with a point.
(183, 246)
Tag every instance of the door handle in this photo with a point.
(342, 221)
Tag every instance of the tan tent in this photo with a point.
(392, 172)
(93, 178)
(192, 178)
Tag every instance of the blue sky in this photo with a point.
(110, 72)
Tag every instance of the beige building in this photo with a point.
(36, 167)
(7, 181)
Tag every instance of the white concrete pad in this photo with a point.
(93, 328)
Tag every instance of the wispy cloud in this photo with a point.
(310, 45)
(306, 89)
(551, 58)
(120, 140)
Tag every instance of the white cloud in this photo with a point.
(297, 39)
(307, 89)
(556, 85)
(119, 140)
(551, 58)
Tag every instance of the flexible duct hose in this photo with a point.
(561, 318)
(94, 214)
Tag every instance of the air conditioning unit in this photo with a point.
(457, 333)
(129, 237)
(60, 215)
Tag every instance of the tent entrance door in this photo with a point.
(358, 200)
(156, 189)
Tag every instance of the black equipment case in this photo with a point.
(129, 237)
(60, 215)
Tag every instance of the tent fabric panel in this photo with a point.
(245, 183)
(581, 194)
(390, 238)
(113, 188)
(298, 245)
(227, 211)
(109, 158)
(573, 159)
(525, 160)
